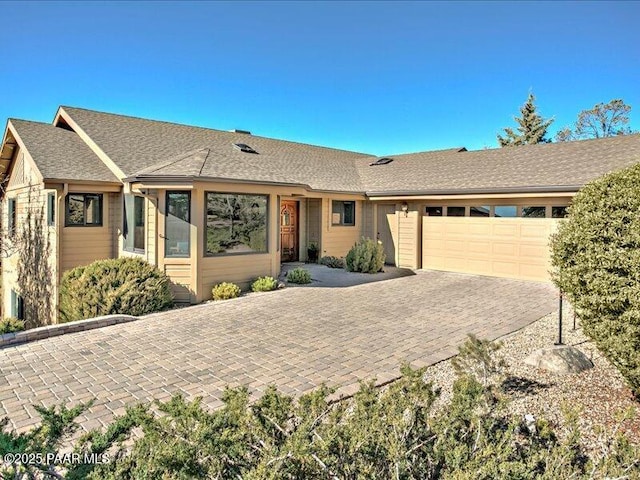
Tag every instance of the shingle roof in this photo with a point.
(149, 148)
(554, 166)
(145, 147)
(61, 154)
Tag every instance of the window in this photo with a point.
(177, 227)
(558, 212)
(505, 211)
(483, 211)
(534, 212)
(434, 211)
(236, 223)
(51, 209)
(11, 222)
(83, 210)
(455, 212)
(17, 305)
(133, 227)
(343, 213)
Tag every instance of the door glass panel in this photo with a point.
(455, 211)
(434, 211)
(483, 211)
(505, 211)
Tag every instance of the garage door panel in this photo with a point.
(504, 247)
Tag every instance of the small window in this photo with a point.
(51, 209)
(434, 211)
(343, 213)
(243, 147)
(559, 212)
(381, 161)
(177, 225)
(17, 305)
(11, 221)
(534, 212)
(133, 227)
(505, 211)
(483, 211)
(83, 210)
(455, 211)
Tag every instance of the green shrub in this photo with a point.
(366, 256)
(225, 291)
(332, 262)
(264, 284)
(299, 275)
(596, 263)
(125, 285)
(11, 325)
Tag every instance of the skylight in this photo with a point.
(243, 147)
(381, 161)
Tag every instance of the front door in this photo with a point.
(386, 225)
(289, 230)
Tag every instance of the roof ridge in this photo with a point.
(214, 129)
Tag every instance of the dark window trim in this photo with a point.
(17, 305)
(342, 224)
(166, 215)
(267, 251)
(85, 224)
(51, 209)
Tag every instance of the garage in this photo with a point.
(499, 240)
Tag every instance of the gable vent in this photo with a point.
(381, 161)
(243, 147)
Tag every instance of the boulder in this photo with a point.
(559, 359)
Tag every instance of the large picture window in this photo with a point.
(133, 228)
(83, 210)
(177, 225)
(236, 223)
(343, 213)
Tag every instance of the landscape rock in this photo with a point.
(559, 359)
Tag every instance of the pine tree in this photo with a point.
(532, 128)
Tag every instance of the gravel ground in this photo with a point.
(599, 394)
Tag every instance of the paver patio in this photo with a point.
(296, 338)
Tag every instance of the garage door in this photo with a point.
(502, 247)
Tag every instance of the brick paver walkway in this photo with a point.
(296, 338)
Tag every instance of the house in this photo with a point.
(207, 206)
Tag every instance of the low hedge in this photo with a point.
(127, 285)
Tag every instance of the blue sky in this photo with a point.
(380, 77)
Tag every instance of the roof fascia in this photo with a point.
(567, 190)
(111, 165)
(23, 147)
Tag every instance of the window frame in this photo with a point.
(168, 194)
(342, 215)
(267, 223)
(12, 215)
(100, 198)
(51, 209)
(130, 230)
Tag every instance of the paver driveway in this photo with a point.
(296, 338)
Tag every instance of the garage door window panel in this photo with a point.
(483, 211)
(506, 211)
(534, 212)
(455, 211)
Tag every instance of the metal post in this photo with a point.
(559, 342)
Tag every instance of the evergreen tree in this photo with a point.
(532, 128)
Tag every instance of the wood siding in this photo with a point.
(180, 276)
(408, 239)
(83, 245)
(239, 269)
(337, 240)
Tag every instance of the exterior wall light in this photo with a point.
(405, 208)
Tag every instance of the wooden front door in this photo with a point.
(289, 230)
